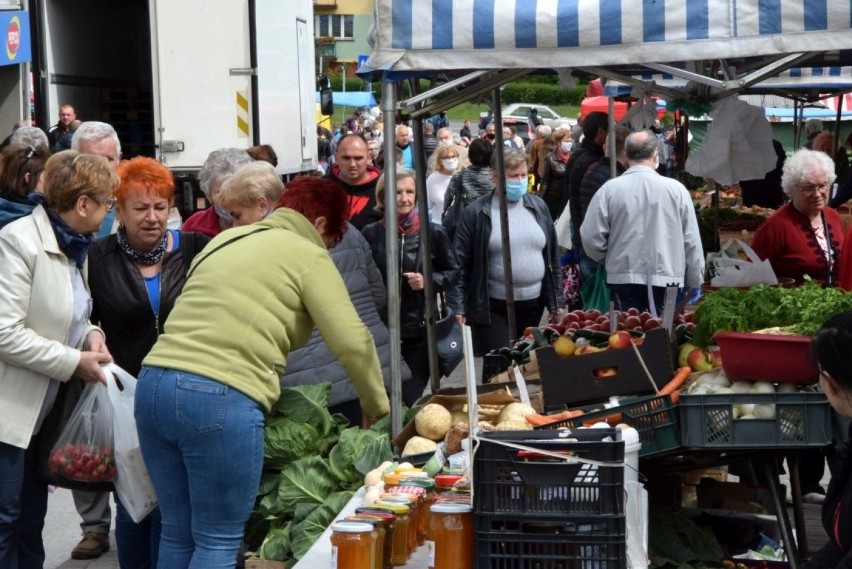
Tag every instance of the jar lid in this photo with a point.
(447, 479)
(405, 500)
(365, 518)
(397, 509)
(412, 473)
(392, 479)
(378, 512)
(450, 508)
(426, 483)
(351, 527)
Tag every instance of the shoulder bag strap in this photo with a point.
(237, 238)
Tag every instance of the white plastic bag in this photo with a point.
(563, 229)
(736, 272)
(132, 482)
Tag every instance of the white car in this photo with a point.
(521, 111)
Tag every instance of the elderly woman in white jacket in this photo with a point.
(45, 334)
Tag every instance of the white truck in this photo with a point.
(180, 78)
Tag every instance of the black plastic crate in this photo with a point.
(577, 542)
(654, 418)
(801, 419)
(512, 481)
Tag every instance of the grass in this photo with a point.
(471, 111)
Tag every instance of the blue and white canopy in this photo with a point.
(435, 35)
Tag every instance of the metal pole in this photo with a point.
(426, 253)
(392, 246)
(613, 171)
(504, 213)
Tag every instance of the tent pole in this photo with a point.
(425, 253)
(392, 246)
(837, 144)
(504, 213)
(610, 140)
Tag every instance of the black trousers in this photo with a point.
(487, 337)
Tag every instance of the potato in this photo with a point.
(417, 445)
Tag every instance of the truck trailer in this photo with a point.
(181, 78)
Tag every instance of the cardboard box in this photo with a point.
(456, 402)
(529, 370)
(533, 390)
(573, 381)
(694, 477)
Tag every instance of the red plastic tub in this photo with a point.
(766, 357)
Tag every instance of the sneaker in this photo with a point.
(93, 545)
(813, 498)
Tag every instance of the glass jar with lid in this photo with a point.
(352, 545)
(451, 536)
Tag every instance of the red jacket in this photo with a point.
(205, 221)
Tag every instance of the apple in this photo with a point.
(683, 353)
(699, 360)
(644, 316)
(716, 354)
(604, 323)
(633, 311)
(620, 326)
(652, 323)
(586, 349)
(596, 327)
(632, 322)
(579, 314)
(569, 318)
(620, 340)
(564, 346)
(605, 372)
(689, 316)
(593, 313)
(588, 323)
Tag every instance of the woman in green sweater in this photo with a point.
(254, 294)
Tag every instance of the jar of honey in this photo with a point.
(379, 542)
(399, 554)
(352, 545)
(428, 499)
(444, 482)
(389, 522)
(451, 537)
(411, 501)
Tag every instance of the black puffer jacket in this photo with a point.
(314, 363)
(597, 176)
(120, 304)
(552, 180)
(837, 519)
(471, 246)
(445, 272)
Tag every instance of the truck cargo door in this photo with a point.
(202, 78)
(286, 101)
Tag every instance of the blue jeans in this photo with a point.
(137, 544)
(23, 506)
(203, 445)
(636, 296)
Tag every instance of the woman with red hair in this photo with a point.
(135, 276)
(253, 295)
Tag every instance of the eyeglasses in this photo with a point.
(109, 202)
(814, 188)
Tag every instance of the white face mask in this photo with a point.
(566, 146)
(450, 163)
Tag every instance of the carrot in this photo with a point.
(537, 420)
(673, 387)
(613, 419)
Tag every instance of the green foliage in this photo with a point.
(520, 92)
(301, 491)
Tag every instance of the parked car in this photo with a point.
(521, 112)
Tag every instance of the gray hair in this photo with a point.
(512, 158)
(220, 165)
(805, 164)
(640, 145)
(95, 131)
(813, 126)
(29, 136)
(401, 174)
(250, 183)
(543, 130)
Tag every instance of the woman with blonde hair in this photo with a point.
(250, 194)
(447, 163)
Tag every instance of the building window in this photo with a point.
(338, 26)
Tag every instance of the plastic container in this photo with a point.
(507, 480)
(352, 545)
(451, 537)
(801, 420)
(519, 542)
(766, 357)
(654, 418)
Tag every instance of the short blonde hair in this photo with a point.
(69, 175)
(250, 183)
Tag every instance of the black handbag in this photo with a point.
(449, 342)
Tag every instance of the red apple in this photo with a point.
(699, 360)
(620, 340)
(633, 311)
(588, 324)
(586, 349)
(604, 323)
(716, 355)
(632, 322)
(593, 313)
(644, 316)
(652, 323)
(568, 318)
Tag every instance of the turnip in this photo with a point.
(741, 386)
(762, 387)
(764, 411)
(433, 422)
(515, 412)
(418, 445)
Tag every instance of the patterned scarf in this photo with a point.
(143, 258)
(408, 224)
(74, 245)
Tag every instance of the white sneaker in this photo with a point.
(813, 498)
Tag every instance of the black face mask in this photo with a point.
(490, 136)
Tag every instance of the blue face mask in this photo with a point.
(515, 189)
